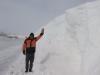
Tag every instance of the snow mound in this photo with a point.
(70, 45)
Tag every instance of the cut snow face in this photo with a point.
(85, 22)
(70, 45)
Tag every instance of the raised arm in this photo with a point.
(40, 35)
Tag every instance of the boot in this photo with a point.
(30, 70)
(26, 71)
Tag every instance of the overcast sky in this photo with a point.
(24, 16)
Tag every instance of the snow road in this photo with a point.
(9, 51)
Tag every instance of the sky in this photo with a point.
(25, 16)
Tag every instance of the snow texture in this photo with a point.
(70, 45)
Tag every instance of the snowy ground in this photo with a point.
(8, 52)
(70, 45)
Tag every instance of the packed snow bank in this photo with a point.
(85, 23)
(70, 45)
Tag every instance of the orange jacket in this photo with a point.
(31, 42)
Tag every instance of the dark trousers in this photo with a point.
(29, 61)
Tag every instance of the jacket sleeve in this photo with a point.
(39, 36)
(24, 46)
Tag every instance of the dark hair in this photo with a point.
(31, 34)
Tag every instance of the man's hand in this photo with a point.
(24, 52)
(42, 32)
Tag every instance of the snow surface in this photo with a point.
(70, 45)
(8, 52)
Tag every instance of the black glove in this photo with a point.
(42, 32)
(24, 52)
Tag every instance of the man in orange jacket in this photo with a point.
(29, 47)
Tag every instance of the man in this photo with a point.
(29, 47)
